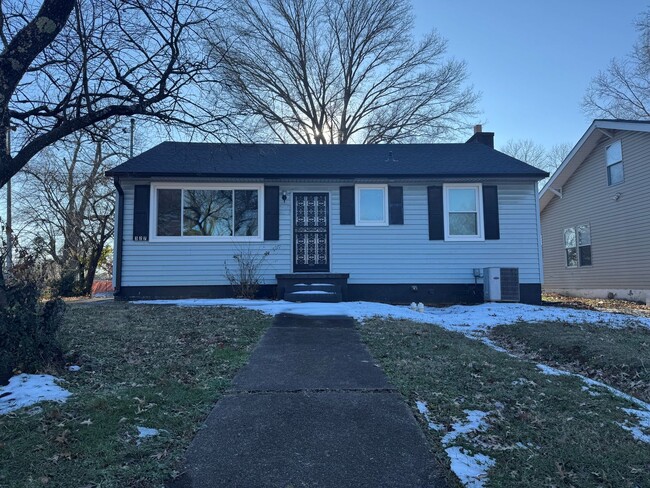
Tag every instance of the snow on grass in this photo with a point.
(24, 390)
(144, 432)
(424, 410)
(475, 423)
(643, 415)
(471, 469)
(552, 371)
(637, 431)
(469, 319)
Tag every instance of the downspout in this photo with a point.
(118, 237)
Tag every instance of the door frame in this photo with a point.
(329, 230)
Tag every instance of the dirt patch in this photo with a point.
(597, 304)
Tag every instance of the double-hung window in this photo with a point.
(207, 212)
(614, 157)
(372, 204)
(577, 246)
(463, 214)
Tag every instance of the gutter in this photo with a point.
(118, 233)
(318, 176)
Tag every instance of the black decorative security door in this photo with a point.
(311, 232)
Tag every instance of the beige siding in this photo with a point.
(620, 229)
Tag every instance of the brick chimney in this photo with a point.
(481, 137)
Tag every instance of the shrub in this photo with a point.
(67, 284)
(28, 330)
(27, 325)
(246, 278)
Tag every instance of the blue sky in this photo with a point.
(532, 61)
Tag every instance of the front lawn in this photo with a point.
(141, 366)
(617, 357)
(539, 430)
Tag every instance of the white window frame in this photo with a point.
(153, 212)
(357, 205)
(612, 163)
(479, 208)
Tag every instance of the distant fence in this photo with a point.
(102, 288)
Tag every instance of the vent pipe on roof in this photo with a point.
(481, 137)
(390, 158)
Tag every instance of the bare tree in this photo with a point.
(537, 155)
(73, 64)
(623, 89)
(68, 203)
(338, 71)
(526, 150)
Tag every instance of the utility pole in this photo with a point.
(132, 135)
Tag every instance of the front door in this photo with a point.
(311, 232)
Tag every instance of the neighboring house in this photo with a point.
(595, 214)
(397, 223)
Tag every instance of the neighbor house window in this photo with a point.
(216, 213)
(463, 212)
(614, 156)
(372, 204)
(577, 246)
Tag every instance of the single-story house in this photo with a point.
(595, 215)
(398, 223)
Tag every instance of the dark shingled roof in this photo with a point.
(325, 161)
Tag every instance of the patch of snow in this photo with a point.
(313, 292)
(552, 371)
(74, 368)
(144, 432)
(637, 431)
(470, 469)
(475, 423)
(24, 390)
(643, 415)
(314, 284)
(424, 410)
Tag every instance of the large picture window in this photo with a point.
(216, 213)
(463, 212)
(614, 157)
(577, 246)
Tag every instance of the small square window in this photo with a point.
(614, 159)
(372, 204)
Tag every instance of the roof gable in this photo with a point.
(171, 159)
(598, 129)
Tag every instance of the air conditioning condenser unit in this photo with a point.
(501, 284)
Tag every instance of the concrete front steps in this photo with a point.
(312, 287)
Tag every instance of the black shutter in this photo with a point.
(436, 217)
(141, 213)
(271, 213)
(491, 212)
(346, 205)
(395, 205)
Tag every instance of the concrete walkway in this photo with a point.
(311, 409)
